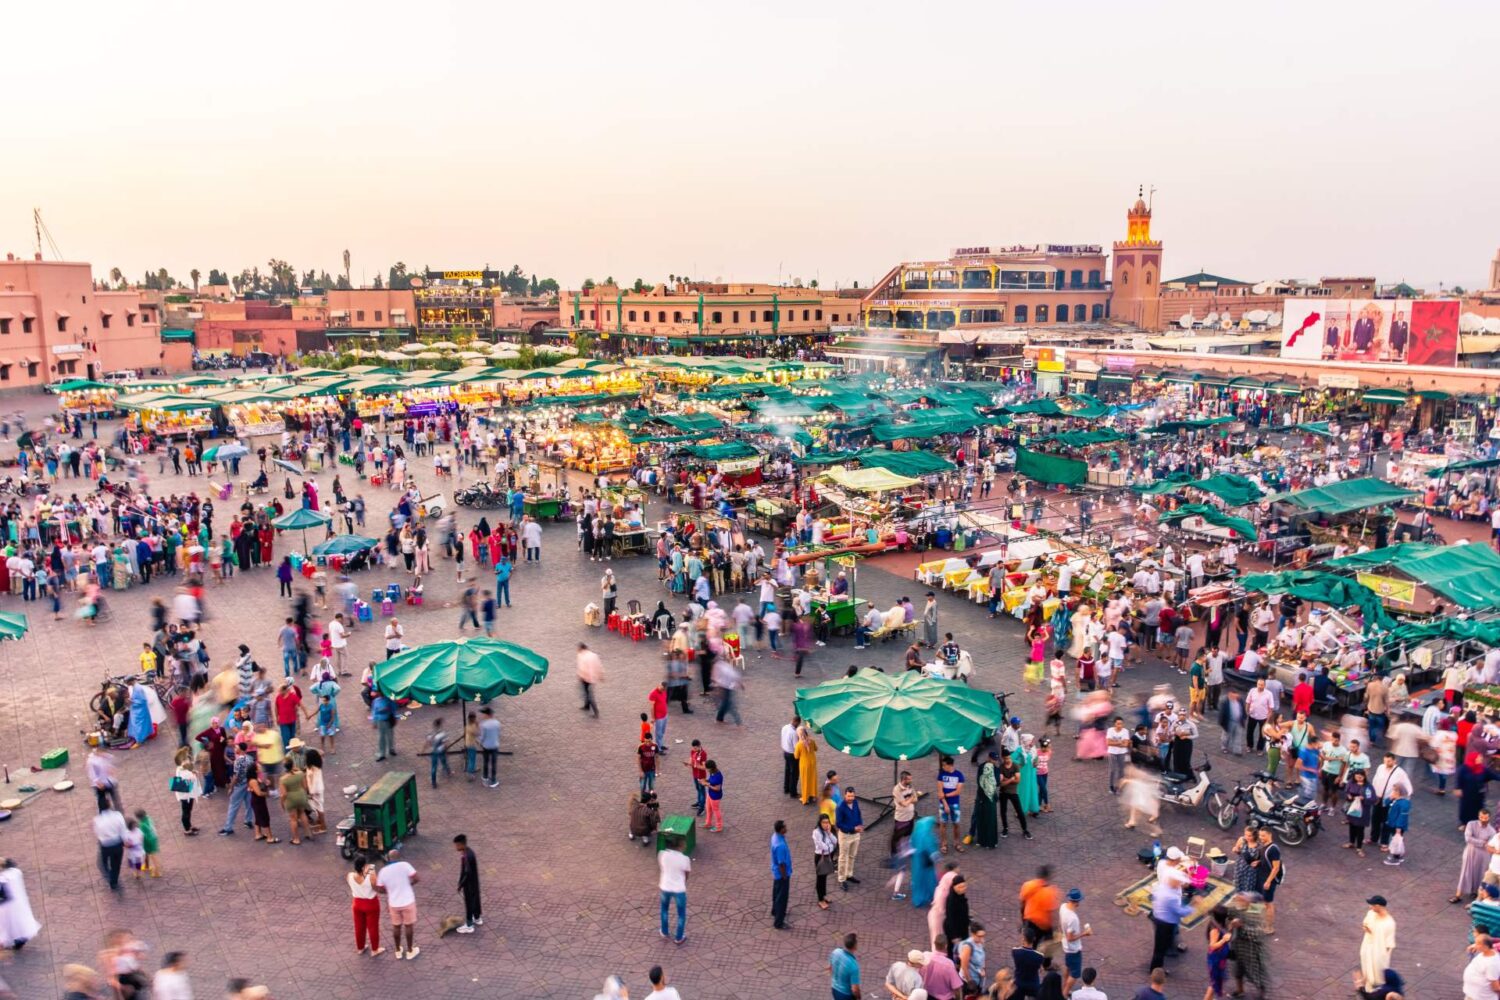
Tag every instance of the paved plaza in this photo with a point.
(567, 898)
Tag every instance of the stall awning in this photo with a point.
(1051, 468)
(1477, 463)
(1323, 588)
(177, 334)
(1346, 496)
(904, 463)
(1212, 515)
(1387, 397)
(1466, 574)
(868, 480)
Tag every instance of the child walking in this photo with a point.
(150, 843)
(715, 819)
(135, 847)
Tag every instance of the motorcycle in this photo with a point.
(1186, 790)
(1290, 817)
(479, 495)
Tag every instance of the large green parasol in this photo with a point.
(899, 716)
(344, 545)
(300, 520)
(13, 625)
(466, 669)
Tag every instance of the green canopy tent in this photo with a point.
(825, 457)
(868, 480)
(1454, 629)
(1167, 484)
(13, 625)
(1236, 491)
(898, 717)
(1212, 515)
(1319, 428)
(1324, 588)
(1346, 496)
(300, 520)
(467, 669)
(1173, 426)
(344, 545)
(924, 425)
(1083, 439)
(722, 452)
(1035, 408)
(1052, 469)
(1469, 466)
(1468, 575)
(904, 463)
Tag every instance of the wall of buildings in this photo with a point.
(371, 309)
(55, 325)
(725, 310)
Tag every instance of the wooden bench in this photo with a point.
(887, 632)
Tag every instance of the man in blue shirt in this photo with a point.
(383, 714)
(781, 876)
(850, 825)
(502, 581)
(843, 967)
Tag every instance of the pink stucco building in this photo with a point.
(55, 325)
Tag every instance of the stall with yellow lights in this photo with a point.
(168, 414)
(83, 396)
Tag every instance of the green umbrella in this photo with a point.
(300, 520)
(344, 545)
(13, 625)
(899, 716)
(465, 669)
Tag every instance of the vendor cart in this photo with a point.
(432, 506)
(544, 508)
(384, 813)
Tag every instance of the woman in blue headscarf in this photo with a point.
(924, 851)
(140, 714)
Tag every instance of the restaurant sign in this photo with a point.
(1119, 363)
(1396, 591)
(1338, 380)
(971, 252)
(1051, 359)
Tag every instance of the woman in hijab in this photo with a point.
(956, 914)
(140, 728)
(937, 913)
(214, 739)
(1472, 778)
(1476, 860)
(924, 849)
(986, 818)
(807, 763)
(1027, 790)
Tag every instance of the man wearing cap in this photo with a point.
(1378, 942)
(905, 978)
(1167, 907)
(1074, 930)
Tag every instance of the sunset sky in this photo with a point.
(747, 141)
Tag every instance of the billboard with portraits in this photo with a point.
(1384, 331)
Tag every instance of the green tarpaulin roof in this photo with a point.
(1466, 574)
(721, 452)
(1321, 428)
(1234, 490)
(1456, 629)
(1051, 468)
(1173, 426)
(1212, 515)
(1324, 588)
(177, 334)
(1170, 483)
(1477, 463)
(78, 384)
(924, 426)
(1084, 439)
(901, 716)
(700, 423)
(825, 457)
(1346, 496)
(868, 480)
(1390, 397)
(904, 463)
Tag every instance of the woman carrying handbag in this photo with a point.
(825, 857)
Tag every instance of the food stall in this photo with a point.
(168, 414)
(1308, 524)
(251, 412)
(84, 396)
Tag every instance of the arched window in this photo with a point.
(1148, 277)
(1098, 311)
(1123, 278)
(1041, 314)
(632, 315)
(1020, 314)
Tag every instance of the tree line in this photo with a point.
(281, 279)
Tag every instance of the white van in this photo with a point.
(123, 375)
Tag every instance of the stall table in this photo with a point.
(842, 614)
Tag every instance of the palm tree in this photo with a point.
(195, 274)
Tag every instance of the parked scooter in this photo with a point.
(1290, 817)
(1185, 789)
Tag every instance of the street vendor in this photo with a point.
(840, 585)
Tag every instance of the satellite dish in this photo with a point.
(1211, 319)
(1185, 321)
(1492, 325)
(1274, 319)
(1470, 323)
(1257, 316)
(1260, 288)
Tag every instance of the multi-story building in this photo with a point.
(365, 311)
(54, 324)
(707, 313)
(457, 301)
(1039, 285)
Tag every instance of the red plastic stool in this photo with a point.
(637, 631)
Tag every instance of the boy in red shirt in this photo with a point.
(698, 762)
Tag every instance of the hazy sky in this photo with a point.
(742, 141)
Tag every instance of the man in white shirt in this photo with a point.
(531, 538)
(1074, 930)
(659, 988)
(1482, 974)
(1195, 569)
(1259, 703)
(789, 756)
(1088, 991)
(674, 867)
(338, 638)
(396, 880)
(395, 633)
(1117, 741)
(109, 830)
(1251, 661)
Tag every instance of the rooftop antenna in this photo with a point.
(1151, 200)
(41, 230)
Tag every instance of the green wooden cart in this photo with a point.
(384, 813)
(543, 508)
(843, 614)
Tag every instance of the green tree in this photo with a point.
(377, 283)
(400, 278)
(217, 277)
(639, 286)
(588, 284)
(609, 280)
(548, 286)
(814, 283)
(195, 274)
(531, 288)
(342, 284)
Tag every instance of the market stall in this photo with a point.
(167, 414)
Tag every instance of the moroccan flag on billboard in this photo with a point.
(1434, 333)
